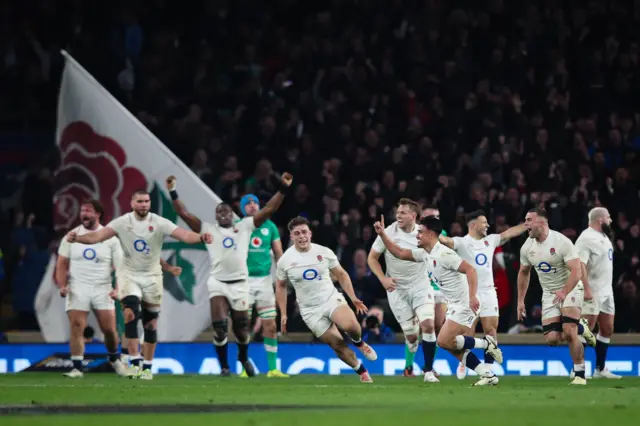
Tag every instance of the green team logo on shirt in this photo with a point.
(433, 284)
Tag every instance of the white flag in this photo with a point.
(107, 154)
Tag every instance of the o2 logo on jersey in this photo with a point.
(90, 254)
(141, 246)
(610, 254)
(546, 268)
(481, 259)
(311, 274)
(229, 242)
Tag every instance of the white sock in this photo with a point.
(77, 357)
(602, 339)
(582, 340)
(357, 367)
(431, 337)
(578, 367)
(478, 343)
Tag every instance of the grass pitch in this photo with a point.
(314, 400)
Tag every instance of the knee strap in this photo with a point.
(241, 324)
(131, 327)
(149, 314)
(554, 326)
(150, 335)
(220, 331)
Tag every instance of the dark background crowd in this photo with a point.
(466, 105)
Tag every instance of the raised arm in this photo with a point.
(345, 282)
(394, 249)
(190, 237)
(190, 219)
(513, 232)
(283, 183)
(90, 238)
(447, 241)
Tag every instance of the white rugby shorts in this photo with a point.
(411, 306)
(237, 294)
(604, 304)
(318, 318)
(87, 297)
(262, 295)
(147, 288)
(573, 300)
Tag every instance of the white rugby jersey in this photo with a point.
(308, 273)
(596, 251)
(91, 265)
(442, 264)
(479, 253)
(141, 241)
(405, 272)
(229, 250)
(549, 259)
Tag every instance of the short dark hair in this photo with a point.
(95, 204)
(414, 206)
(297, 221)
(432, 223)
(140, 191)
(222, 204)
(540, 211)
(474, 215)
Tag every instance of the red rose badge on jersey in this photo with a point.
(434, 263)
(486, 243)
(552, 251)
(150, 228)
(319, 258)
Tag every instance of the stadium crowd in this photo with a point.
(465, 105)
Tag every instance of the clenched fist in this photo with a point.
(171, 183)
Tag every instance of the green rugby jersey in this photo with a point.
(259, 258)
(433, 284)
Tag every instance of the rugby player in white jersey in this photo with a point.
(228, 284)
(596, 254)
(458, 281)
(308, 267)
(439, 299)
(83, 274)
(556, 261)
(141, 235)
(478, 248)
(407, 284)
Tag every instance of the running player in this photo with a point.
(596, 254)
(261, 294)
(228, 284)
(141, 236)
(478, 248)
(458, 281)
(407, 284)
(556, 261)
(308, 267)
(83, 274)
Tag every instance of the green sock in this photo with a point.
(271, 347)
(408, 357)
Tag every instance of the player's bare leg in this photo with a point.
(78, 322)
(605, 323)
(452, 338)
(461, 371)
(107, 322)
(570, 324)
(333, 338)
(219, 319)
(346, 320)
(440, 316)
(150, 313)
(429, 349)
(240, 322)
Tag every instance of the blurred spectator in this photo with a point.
(374, 330)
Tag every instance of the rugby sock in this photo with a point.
(124, 351)
(580, 329)
(113, 357)
(428, 350)
(243, 352)
(271, 347)
(77, 361)
(602, 345)
(136, 360)
(221, 353)
(470, 360)
(358, 343)
(488, 358)
(360, 368)
(146, 365)
(466, 342)
(579, 370)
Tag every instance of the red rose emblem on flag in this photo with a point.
(92, 166)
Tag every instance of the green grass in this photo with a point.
(516, 401)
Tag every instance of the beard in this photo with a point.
(88, 222)
(607, 230)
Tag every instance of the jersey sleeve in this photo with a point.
(569, 251)
(584, 252)
(166, 225)
(332, 259)
(524, 260)
(275, 234)
(247, 224)
(451, 260)
(378, 246)
(419, 255)
(457, 242)
(281, 274)
(117, 224)
(65, 248)
(494, 240)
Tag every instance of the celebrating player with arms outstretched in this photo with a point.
(83, 274)
(556, 260)
(308, 267)
(596, 254)
(141, 236)
(407, 284)
(228, 285)
(478, 248)
(261, 294)
(458, 281)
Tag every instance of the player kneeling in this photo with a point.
(307, 267)
(458, 281)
